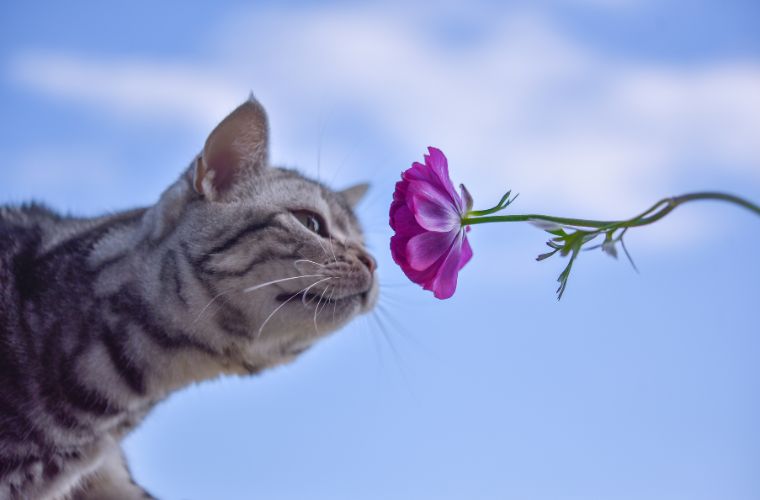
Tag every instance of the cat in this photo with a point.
(230, 272)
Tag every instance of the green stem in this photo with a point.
(641, 220)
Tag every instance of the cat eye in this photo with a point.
(311, 221)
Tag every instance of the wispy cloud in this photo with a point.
(519, 104)
(136, 89)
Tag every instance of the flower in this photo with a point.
(430, 244)
(431, 221)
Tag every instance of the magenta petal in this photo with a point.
(398, 250)
(466, 252)
(432, 208)
(402, 220)
(423, 278)
(445, 281)
(420, 172)
(435, 173)
(425, 249)
(399, 194)
(436, 160)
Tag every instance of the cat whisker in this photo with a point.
(370, 327)
(307, 261)
(250, 289)
(354, 148)
(324, 249)
(396, 355)
(329, 300)
(262, 285)
(213, 299)
(316, 310)
(311, 297)
(303, 291)
(319, 154)
(332, 289)
(395, 301)
(382, 312)
(321, 297)
(322, 129)
(332, 249)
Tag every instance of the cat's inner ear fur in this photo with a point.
(354, 194)
(234, 151)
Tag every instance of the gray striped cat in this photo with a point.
(239, 267)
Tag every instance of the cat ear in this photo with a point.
(354, 194)
(236, 149)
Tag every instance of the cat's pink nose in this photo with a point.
(368, 261)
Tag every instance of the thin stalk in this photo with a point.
(641, 220)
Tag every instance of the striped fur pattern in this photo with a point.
(238, 267)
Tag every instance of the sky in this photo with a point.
(635, 385)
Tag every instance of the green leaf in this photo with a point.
(546, 255)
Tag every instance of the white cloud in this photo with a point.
(153, 90)
(521, 105)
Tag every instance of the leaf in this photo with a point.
(630, 259)
(565, 275)
(546, 255)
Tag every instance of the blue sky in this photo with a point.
(633, 386)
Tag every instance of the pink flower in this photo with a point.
(430, 243)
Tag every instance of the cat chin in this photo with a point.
(329, 314)
(369, 298)
(306, 315)
(283, 342)
(312, 301)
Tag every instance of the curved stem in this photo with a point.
(641, 220)
(466, 221)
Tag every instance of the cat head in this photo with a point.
(270, 260)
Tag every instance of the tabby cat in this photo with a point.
(240, 266)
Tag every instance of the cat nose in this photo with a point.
(368, 261)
